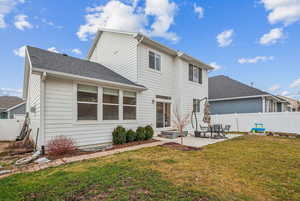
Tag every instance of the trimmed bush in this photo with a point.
(119, 135)
(60, 145)
(130, 136)
(148, 132)
(140, 134)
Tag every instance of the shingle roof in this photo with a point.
(7, 102)
(224, 87)
(47, 60)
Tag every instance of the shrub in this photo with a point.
(119, 135)
(130, 136)
(60, 145)
(140, 134)
(148, 132)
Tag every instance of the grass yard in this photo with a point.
(245, 168)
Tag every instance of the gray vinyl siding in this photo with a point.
(18, 110)
(249, 105)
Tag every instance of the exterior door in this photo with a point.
(163, 115)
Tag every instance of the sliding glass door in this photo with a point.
(163, 115)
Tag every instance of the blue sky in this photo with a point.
(253, 41)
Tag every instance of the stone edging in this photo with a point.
(62, 161)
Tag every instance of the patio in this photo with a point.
(196, 141)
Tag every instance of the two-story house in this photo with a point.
(127, 79)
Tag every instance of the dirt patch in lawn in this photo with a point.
(174, 145)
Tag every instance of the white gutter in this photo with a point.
(67, 75)
(13, 107)
(242, 97)
(172, 52)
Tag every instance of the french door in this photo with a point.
(163, 115)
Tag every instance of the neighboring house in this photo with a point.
(227, 96)
(293, 106)
(10, 106)
(127, 79)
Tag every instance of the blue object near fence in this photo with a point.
(259, 128)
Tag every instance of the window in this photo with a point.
(129, 105)
(196, 105)
(195, 74)
(87, 102)
(154, 61)
(110, 104)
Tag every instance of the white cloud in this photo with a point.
(10, 92)
(21, 22)
(255, 59)
(272, 37)
(199, 11)
(164, 12)
(50, 23)
(285, 11)
(114, 15)
(295, 84)
(20, 51)
(53, 49)
(225, 38)
(76, 51)
(6, 7)
(215, 65)
(2, 22)
(275, 87)
(284, 93)
(118, 15)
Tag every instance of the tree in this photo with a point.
(180, 121)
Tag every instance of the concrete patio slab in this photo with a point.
(196, 141)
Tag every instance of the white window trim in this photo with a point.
(155, 54)
(171, 110)
(199, 68)
(120, 103)
(100, 120)
(126, 105)
(199, 106)
(75, 117)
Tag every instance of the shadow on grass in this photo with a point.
(114, 181)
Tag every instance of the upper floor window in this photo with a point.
(87, 102)
(196, 105)
(154, 61)
(110, 104)
(195, 74)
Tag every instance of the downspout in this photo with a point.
(137, 55)
(42, 110)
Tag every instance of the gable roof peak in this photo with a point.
(141, 37)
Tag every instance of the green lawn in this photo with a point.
(245, 168)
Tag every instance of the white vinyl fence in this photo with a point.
(10, 129)
(276, 122)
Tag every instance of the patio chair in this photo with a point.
(218, 130)
(204, 130)
(227, 128)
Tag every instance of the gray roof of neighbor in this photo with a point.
(47, 60)
(7, 102)
(221, 86)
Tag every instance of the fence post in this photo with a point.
(237, 122)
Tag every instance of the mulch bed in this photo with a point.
(79, 152)
(119, 146)
(174, 145)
